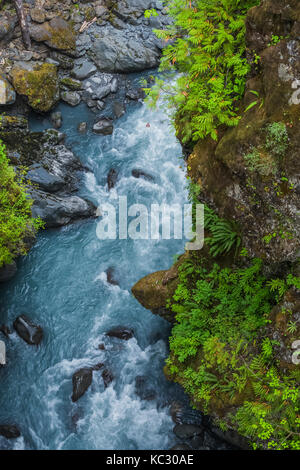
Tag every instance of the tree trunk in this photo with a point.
(23, 22)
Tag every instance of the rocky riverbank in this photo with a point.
(81, 52)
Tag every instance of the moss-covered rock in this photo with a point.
(39, 85)
(154, 290)
(57, 34)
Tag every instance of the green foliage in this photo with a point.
(277, 138)
(218, 354)
(16, 222)
(207, 47)
(260, 162)
(223, 234)
(149, 13)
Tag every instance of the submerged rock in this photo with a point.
(121, 333)
(28, 331)
(10, 431)
(110, 272)
(56, 119)
(107, 377)
(8, 271)
(143, 388)
(112, 178)
(141, 174)
(5, 330)
(82, 127)
(81, 380)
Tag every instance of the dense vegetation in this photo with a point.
(207, 45)
(222, 356)
(221, 349)
(16, 222)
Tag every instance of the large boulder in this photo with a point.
(57, 34)
(57, 210)
(38, 83)
(45, 180)
(104, 126)
(115, 53)
(83, 68)
(7, 92)
(28, 331)
(81, 380)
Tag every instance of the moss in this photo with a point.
(70, 83)
(62, 35)
(39, 85)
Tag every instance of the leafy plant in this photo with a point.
(219, 354)
(16, 222)
(277, 138)
(207, 46)
(223, 235)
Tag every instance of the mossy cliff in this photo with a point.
(236, 317)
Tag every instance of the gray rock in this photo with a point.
(119, 109)
(28, 331)
(56, 210)
(56, 119)
(7, 92)
(8, 271)
(112, 178)
(81, 380)
(83, 69)
(71, 97)
(186, 431)
(115, 53)
(103, 126)
(10, 431)
(7, 25)
(37, 15)
(128, 9)
(111, 279)
(65, 62)
(5, 330)
(45, 180)
(121, 332)
(141, 174)
(82, 127)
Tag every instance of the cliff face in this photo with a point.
(250, 175)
